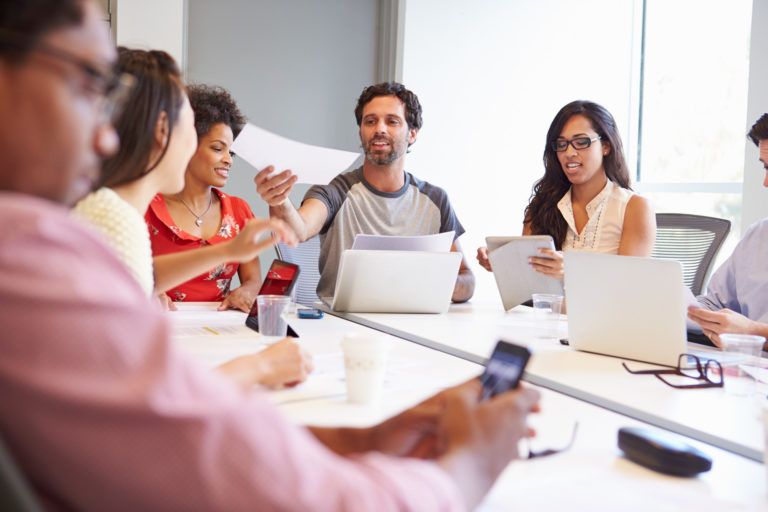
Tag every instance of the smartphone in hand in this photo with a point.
(504, 368)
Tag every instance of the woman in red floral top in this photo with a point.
(201, 215)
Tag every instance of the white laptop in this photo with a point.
(395, 281)
(626, 306)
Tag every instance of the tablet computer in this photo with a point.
(515, 278)
(280, 280)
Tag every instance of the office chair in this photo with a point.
(15, 493)
(305, 255)
(693, 240)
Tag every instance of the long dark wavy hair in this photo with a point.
(158, 88)
(541, 214)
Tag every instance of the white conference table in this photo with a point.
(592, 474)
(471, 330)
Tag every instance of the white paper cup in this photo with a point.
(743, 350)
(365, 363)
(272, 311)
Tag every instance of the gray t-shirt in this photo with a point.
(354, 206)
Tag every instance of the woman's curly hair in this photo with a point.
(213, 105)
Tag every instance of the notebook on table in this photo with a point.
(395, 281)
(626, 306)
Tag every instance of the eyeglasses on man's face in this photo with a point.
(108, 84)
(708, 372)
(561, 145)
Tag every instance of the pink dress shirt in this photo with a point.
(102, 412)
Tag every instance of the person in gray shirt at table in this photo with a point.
(378, 198)
(737, 295)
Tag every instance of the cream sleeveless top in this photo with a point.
(602, 233)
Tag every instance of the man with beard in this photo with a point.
(98, 408)
(378, 198)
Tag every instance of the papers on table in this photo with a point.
(312, 164)
(440, 242)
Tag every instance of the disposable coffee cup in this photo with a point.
(272, 310)
(742, 351)
(365, 363)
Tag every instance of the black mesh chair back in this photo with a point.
(693, 240)
(305, 255)
(15, 493)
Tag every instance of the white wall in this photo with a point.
(152, 24)
(755, 199)
(491, 76)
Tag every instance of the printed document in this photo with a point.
(312, 164)
(440, 242)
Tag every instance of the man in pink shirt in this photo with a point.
(99, 409)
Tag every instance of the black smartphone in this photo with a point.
(280, 280)
(504, 368)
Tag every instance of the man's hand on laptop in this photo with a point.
(714, 323)
(274, 188)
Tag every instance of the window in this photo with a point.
(693, 100)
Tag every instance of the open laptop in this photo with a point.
(626, 306)
(395, 281)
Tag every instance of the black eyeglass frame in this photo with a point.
(587, 141)
(552, 451)
(701, 369)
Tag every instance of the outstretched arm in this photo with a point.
(179, 267)
(307, 221)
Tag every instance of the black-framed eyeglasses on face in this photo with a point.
(561, 145)
(708, 372)
(112, 86)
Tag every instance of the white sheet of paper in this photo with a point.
(440, 242)
(312, 164)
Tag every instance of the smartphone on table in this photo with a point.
(309, 313)
(504, 368)
(280, 280)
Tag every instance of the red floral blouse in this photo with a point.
(167, 237)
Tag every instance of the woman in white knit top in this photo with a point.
(157, 140)
(584, 200)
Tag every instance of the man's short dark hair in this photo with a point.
(759, 130)
(24, 22)
(411, 102)
(213, 105)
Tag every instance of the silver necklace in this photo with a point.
(198, 218)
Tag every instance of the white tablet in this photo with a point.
(515, 278)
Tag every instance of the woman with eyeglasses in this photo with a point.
(157, 139)
(201, 215)
(584, 200)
